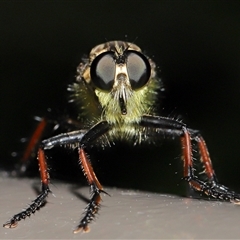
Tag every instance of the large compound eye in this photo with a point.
(103, 71)
(139, 69)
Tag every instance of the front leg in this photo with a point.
(211, 188)
(178, 129)
(95, 187)
(82, 138)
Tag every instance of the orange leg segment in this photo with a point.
(88, 170)
(188, 162)
(43, 167)
(205, 158)
(187, 153)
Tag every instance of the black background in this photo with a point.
(196, 45)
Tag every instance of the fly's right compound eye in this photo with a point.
(103, 71)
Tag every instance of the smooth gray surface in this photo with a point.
(127, 214)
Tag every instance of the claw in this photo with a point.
(10, 225)
(235, 201)
(85, 229)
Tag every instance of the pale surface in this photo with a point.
(127, 214)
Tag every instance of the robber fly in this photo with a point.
(116, 89)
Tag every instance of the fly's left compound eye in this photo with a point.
(103, 71)
(139, 69)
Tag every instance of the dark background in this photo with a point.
(196, 45)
